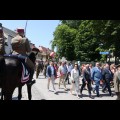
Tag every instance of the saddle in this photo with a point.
(25, 69)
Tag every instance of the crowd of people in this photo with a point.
(93, 77)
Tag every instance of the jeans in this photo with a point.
(52, 79)
(97, 84)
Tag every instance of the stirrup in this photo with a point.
(31, 82)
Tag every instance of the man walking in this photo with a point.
(86, 80)
(51, 74)
(96, 77)
(107, 77)
(62, 72)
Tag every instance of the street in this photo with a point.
(40, 92)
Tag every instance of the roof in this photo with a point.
(33, 47)
(9, 32)
(43, 49)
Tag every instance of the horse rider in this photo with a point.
(2, 52)
(21, 47)
(2, 45)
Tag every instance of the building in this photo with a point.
(8, 35)
(44, 53)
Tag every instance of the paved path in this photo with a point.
(41, 86)
(40, 92)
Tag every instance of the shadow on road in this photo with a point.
(15, 98)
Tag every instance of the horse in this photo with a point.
(10, 76)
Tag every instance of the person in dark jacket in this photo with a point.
(86, 80)
(45, 68)
(51, 75)
(107, 77)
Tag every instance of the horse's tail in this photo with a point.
(2, 66)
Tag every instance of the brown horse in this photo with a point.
(10, 76)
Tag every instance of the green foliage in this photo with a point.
(84, 39)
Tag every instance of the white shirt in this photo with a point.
(63, 69)
(74, 74)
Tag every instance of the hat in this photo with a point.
(117, 66)
(20, 30)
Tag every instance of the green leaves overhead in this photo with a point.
(84, 39)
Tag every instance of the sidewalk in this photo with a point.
(36, 94)
(41, 86)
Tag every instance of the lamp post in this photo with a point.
(26, 26)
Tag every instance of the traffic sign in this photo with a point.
(104, 53)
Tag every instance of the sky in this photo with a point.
(39, 32)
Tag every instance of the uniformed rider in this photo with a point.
(21, 47)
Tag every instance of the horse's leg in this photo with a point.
(2, 94)
(8, 96)
(29, 91)
(8, 92)
(19, 92)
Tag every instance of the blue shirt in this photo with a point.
(96, 74)
(63, 69)
(52, 70)
(70, 67)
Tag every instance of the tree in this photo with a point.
(63, 40)
(84, 39)
(108, 31)
(86, 43)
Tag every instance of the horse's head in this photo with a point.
(32, 56)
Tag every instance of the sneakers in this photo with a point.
(90, 96)
(65, 89)
(99, 96)
(78, 97)
(111, 95)
(71, 92)
(55, 91)
(103, 91)
(48, 90)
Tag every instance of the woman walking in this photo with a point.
(75, 74)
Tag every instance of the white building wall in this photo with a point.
(8, 49)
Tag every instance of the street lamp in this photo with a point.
(26, 26)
